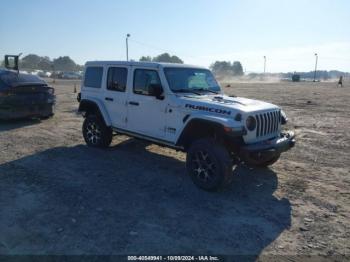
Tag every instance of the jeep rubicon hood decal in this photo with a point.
(223, 104)
(221, 99)
(208, 109)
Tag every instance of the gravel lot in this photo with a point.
(59, 197)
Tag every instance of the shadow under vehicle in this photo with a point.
(23, 95)
(79, 200)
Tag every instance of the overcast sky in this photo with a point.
(288, 33)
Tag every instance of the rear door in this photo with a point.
(115, 94)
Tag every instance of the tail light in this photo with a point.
(4, 93)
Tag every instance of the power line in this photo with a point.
(336, 58)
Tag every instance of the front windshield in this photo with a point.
(191, 80)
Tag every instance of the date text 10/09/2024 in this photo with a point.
(173, 258)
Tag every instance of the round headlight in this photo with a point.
(251, 123)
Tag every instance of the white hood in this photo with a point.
(229, 103)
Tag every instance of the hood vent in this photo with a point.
(221, 99)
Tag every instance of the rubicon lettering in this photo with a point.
(209, 109)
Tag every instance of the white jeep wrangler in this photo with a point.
(182, 107)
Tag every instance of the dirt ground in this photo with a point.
(58, 196)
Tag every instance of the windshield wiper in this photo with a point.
(204, 89)
(185, 90)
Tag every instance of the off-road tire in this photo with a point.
(256, 163)
(209, 164)
(96, 133)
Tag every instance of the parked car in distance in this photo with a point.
(24, 96)
(40, 73)
(66, 75)
(70, 75)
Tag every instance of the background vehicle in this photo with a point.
(70, 75)
(24, 95)
(182, 107)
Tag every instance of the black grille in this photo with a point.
(267, 123)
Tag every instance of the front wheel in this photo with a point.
(209, 164)
(96, 133)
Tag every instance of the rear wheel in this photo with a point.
(209, 164)
(96, 133)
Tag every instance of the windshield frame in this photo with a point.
(197, 91)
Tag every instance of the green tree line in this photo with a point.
(35, 62)
(226, 68)
(65, 63)
(219, 68)
(164, 58)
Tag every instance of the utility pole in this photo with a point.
(264, 64)
(127, 47)
(53, 73)
(315, 67)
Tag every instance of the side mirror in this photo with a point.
(156, 90)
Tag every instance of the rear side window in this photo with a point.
(143, 78)
(116, 79)
(93, 77)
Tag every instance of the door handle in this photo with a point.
(109, 98)
(134, 103)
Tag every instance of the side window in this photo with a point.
(93, 77)
(116, 79)
(143, 78)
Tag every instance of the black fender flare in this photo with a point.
(197, 127)
(87, 106)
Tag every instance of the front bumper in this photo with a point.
(272, 147)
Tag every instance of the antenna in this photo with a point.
(127, 47)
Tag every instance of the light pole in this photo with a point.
(264, 64)
(127, 47)
(315, 67)
(53, 73)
